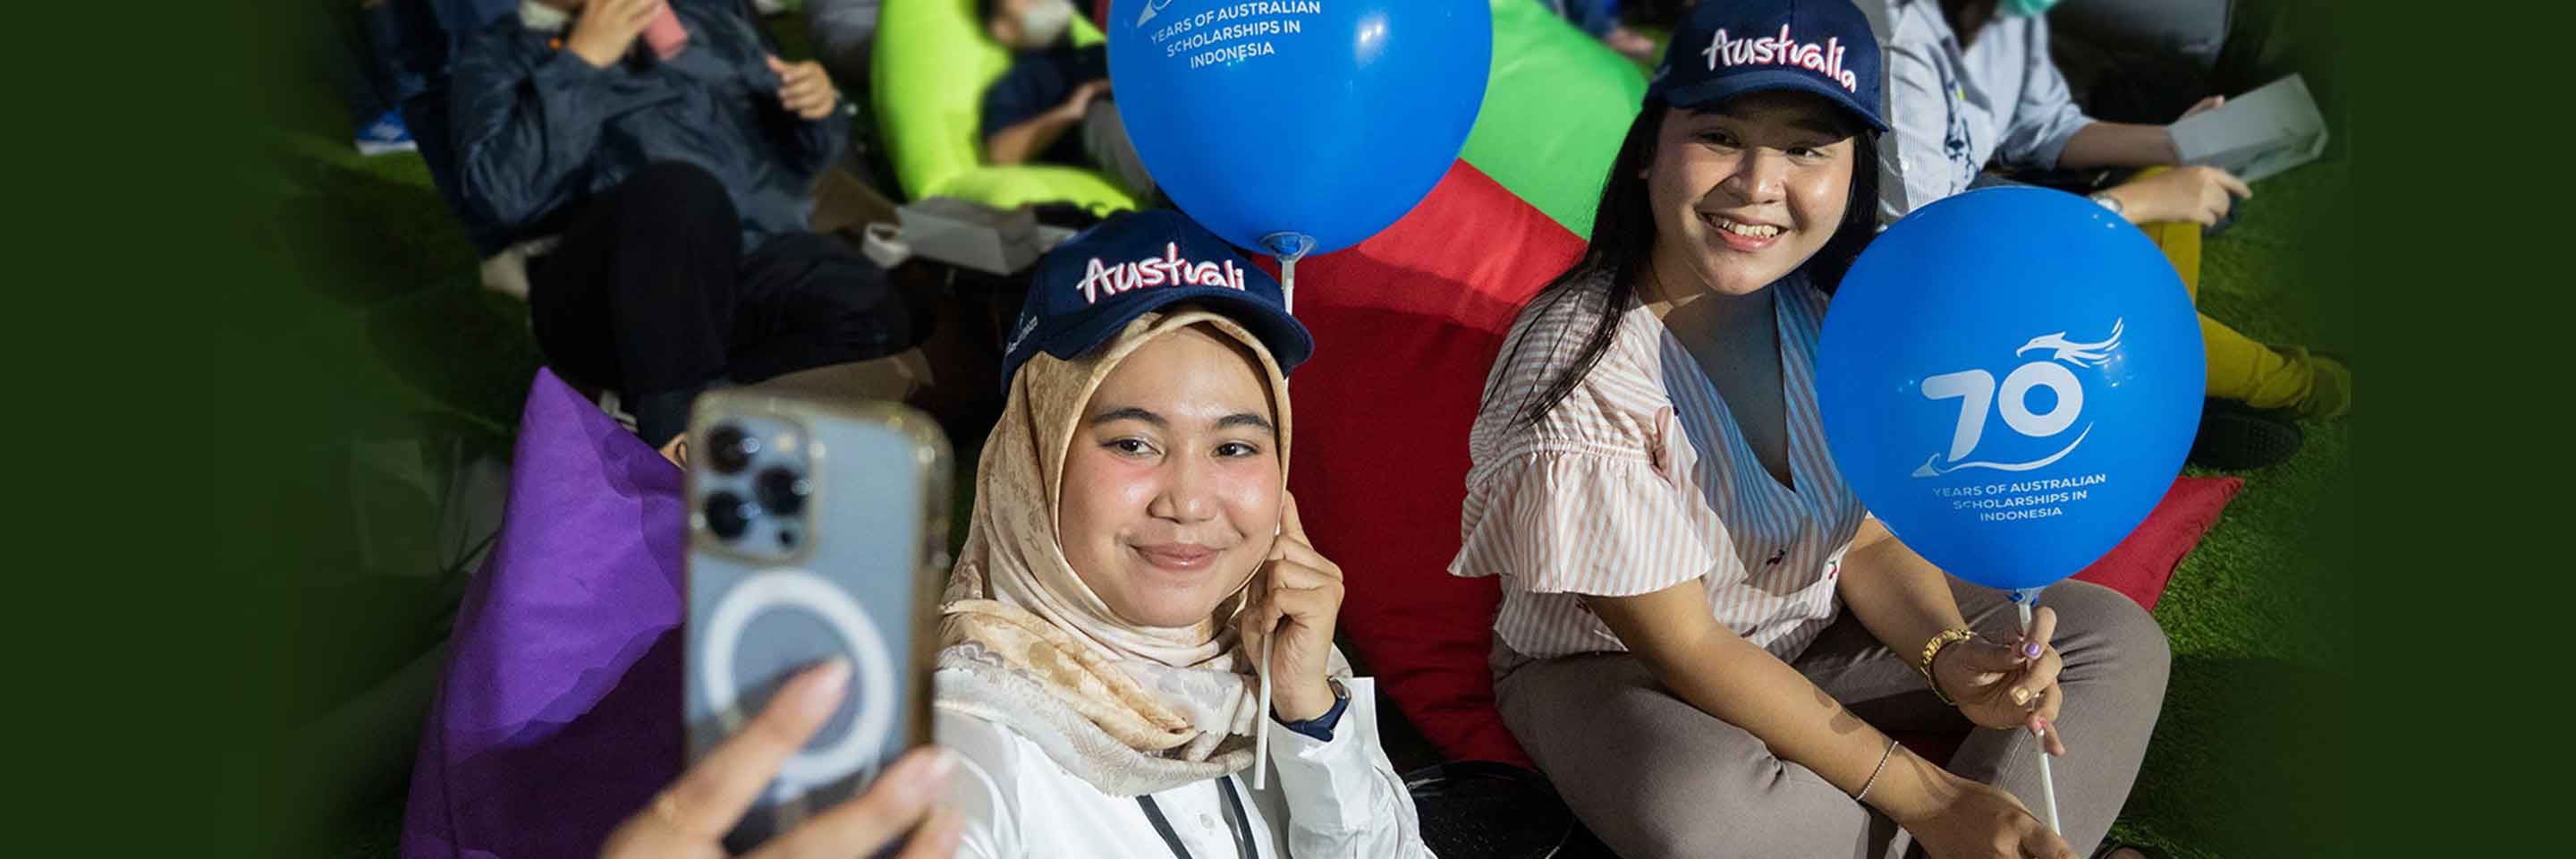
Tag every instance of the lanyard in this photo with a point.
(1235, 819)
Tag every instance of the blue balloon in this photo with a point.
(2010, 380)
(1272, 120)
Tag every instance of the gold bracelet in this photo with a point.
(1932, 650)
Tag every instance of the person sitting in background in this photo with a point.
(1100, 634)
(2147, 60)
(679, 186)
(1600, 20)
(1052, 89)
(1967, 85)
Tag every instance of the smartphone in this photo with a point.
(817, 529)
(664, 34)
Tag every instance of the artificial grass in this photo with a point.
(2249, 757)
(2245, 760)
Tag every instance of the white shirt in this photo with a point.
(1641, 480)
(1325, 800)
(1953, 108)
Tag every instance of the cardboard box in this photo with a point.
(972, 235)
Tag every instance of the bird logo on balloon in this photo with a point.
(1978, 394)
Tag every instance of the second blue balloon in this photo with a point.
(1323, 118)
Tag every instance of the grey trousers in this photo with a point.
(1654, 776)
(1104, 138)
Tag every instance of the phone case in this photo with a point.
(665, 35)
(825, 536)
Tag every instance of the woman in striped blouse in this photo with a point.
(1702, 632)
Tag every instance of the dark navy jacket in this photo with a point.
(537, 129)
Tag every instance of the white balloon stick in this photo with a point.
(2047, 780)
(1261, 721)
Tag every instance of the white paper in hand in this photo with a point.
(2257, 134)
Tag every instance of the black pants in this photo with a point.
(651, 295)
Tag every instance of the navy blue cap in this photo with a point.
(1726, 48)
(1088, 288)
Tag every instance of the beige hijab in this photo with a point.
(1025, 643)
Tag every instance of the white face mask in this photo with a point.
(1043, 22)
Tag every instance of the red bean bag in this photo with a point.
(1405, 326)
(2144, 561)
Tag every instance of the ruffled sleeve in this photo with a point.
(1583, 524)
(1593, 502)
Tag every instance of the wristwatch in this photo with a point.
(1320, 727)
(2108, 202)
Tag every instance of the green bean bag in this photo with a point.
(933, 62)
(1555, 109)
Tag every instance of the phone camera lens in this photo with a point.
(728, 515)
(783, 492)
(733, 448)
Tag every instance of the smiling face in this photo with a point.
(1746, 191)
(1172, 483)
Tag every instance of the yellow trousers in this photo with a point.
(2240, 368)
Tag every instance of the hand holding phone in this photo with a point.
(694, 812)
(817, 533)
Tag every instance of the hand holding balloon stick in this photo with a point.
(2009, 380)
(2024, 599)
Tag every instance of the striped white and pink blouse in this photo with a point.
(1639, 480)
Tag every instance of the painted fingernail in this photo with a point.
(2039, 728)
(2030, 651)
(2021, 696)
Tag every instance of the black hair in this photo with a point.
(984, 9)
(1623, 246)
(1967, 18)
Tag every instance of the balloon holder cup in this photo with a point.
(1288, 248)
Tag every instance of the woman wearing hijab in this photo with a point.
(1132, 552)
(1703, 636)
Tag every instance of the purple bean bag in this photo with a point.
(560, 711)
